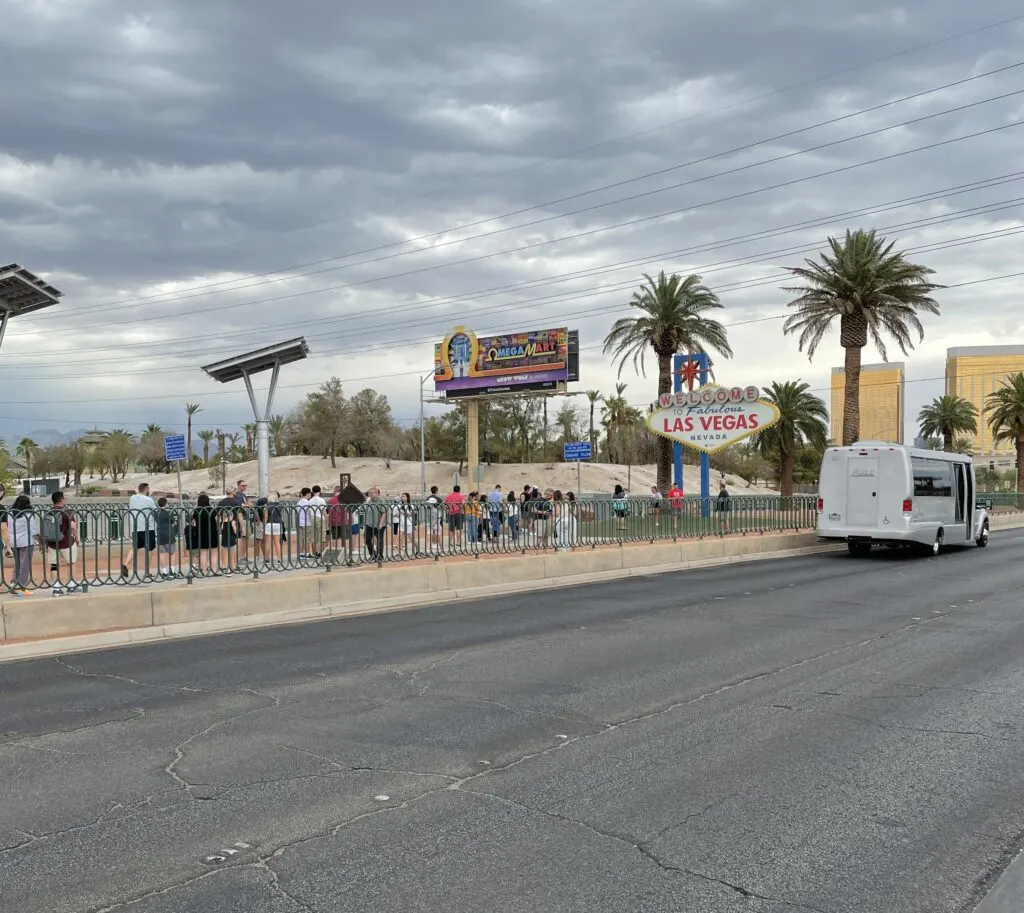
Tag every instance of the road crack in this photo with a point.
(178, 752)
(641, 847)
(75, 670)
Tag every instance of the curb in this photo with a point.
(123, 637)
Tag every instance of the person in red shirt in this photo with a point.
(675, 503)
(453, 505)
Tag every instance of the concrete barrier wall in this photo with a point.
(243, 602)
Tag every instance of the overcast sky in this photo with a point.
(404, 167)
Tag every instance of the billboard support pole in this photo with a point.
(423, 443)
(473, 438)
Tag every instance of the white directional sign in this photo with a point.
(711, 417)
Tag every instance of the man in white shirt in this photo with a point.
(315, 512)
(302, 521)
(142, 522)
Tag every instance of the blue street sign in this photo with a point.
(174, 447)
(576, 450)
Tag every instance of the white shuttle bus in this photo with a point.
(874, 493)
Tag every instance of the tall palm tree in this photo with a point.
(671, 317)
(1005, 411)
(872, 291)
(277, 426)
(948, 416)
(250, 437)
(206, 436)
(152, 429)
(803, 419)
(27, 449)
(191, 409)
(593, 397)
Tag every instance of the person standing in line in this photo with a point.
(620, 506)
(496, 502)
(316, 509)
(302, 521)
(141, 512)
(434, 507)
(63, 523)
(244, 502)
(512, 510)
(656, 505)
(23, 537)
(339, 527)
(723, 506)
(274, 534)
(203, 536)
(542, 518)
(472, 510)
(402, 525)
(166, 540)
(453, 504)
(375, 518)
(5, 532)
(675, 504)
(228, 510)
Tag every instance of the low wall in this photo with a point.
(354, 590)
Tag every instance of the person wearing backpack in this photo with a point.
(59, 533)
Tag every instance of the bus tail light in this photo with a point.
(908, 506)
(821, 504)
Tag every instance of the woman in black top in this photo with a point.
(203, 534)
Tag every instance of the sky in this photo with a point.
(201, 179)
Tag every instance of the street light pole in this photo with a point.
(423, 443)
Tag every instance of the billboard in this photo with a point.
(468, 365)
(711, 417)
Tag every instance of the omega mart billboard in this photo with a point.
(468, 365)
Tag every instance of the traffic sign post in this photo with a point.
(576, 452)
(174, 452)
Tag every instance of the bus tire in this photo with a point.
(982, 540)
(936, 546)
(859, 549)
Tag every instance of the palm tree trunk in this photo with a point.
(851, 396)
(664, 444)
(593, 441)
(189, 442)
(787, 462)
(1020, 467)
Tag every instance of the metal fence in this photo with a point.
(109, 545)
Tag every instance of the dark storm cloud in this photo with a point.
(154, 147)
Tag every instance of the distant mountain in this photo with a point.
(47, 437)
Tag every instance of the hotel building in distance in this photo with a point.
(881, 402)
(973, 372)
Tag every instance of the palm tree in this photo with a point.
(277, 426)
(803, 419)
(948, 416)
(593, 397)
(27, 449)
(872, 291)
(671, 318)
(250, 437)
(190, 410)
(1005, 410)
(206, 436)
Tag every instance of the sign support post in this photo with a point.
(174, 452)
(577, 451)
(690, 369)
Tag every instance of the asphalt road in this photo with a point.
(819, 734)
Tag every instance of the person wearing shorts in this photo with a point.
(453, 505)
(166, 540)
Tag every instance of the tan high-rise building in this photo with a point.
(973, 372)
(881, 402)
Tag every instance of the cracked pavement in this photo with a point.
(811, 734)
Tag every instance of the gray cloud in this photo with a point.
(152, 150)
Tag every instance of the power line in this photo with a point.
(689, 118)
(389, 375)
(577, 294)
(590, 232)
